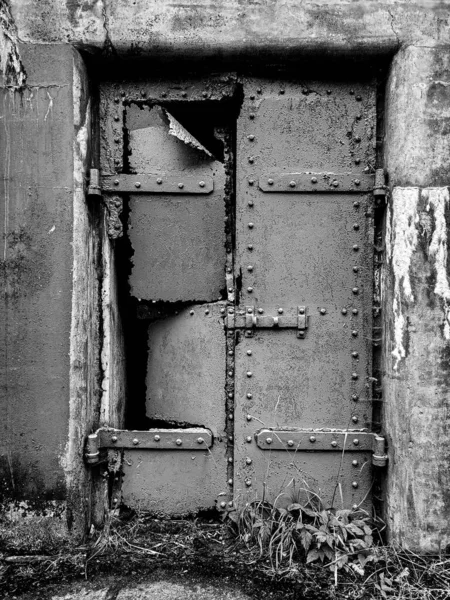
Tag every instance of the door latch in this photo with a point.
(257, 318)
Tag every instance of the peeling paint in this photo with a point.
(10, 63)
(401, 243)
(438, 199)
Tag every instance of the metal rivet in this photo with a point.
(230, 373)
(231, 311)
(356, 247)
(358, 98)
(249, 374)
(157, 438)
(207, 312)
(355, 354)
(354, 333)
(355, 290)
(355, 507)
(355, 463)
(116, 118)
(290, 443)
(344, 311)
(116, 182)
(335, 183)
(251, 137)
(252, 96)
(270, 181)
(223, 504)
(334, 443)
(230, 482)
(250, 225)
(249, 310)
(250, 247)
(355, 269)
(351, 92)
(159, 181)
(357, 138)
(178, 442)
(355, 419)
(230, 417)
(250, 202)
(357, 182)
(354, 375)
(251, 159)
(201, 183)
(181, 186)
(356, 442)
(268, 440)
(230, 289)
(356, 226)
(260, 311)
(280, 311)
(282, 92)
(251, 115)
(249, 396)
(222, 311)
(248, 482)
(355, 311)
(230, 459)
(163, 94)
(137, 184)
(116, 100)
(292, 184)
(328, 92)
(248, 439)
(191, 312)
(200, 440)
(313, 179)
(249, 417)
(355, 397)
(184, 94)
(249, 290)
(135, 441)
(230, 352)
(114, 438)
(117, 140)
(366, 169)
(251, 181)
(249, 352)
(312, 439)
(248, 461)
(356, 204)
(230, 395)
(355, 484)
(357, 161)
(323, 311)
(301, 311)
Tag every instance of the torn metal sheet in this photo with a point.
(176, 129)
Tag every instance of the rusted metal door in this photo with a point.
(304, 251)
(250, 272)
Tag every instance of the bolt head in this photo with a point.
(248, 482)
(249, 417)
(251, 181)
(312, 439)
(355, 419)
(222, 311)
(355, 311)
(230, 459)
(249, 290)
(157, 438)
(249, 396)
(251, 137)
(249, 352)
(116, 182)
(159, 181)
(230, 482)
(248, 439)
(135, 442)
(354, 375)
(249, 374)
(250, 225)
(356, 442)
(355, 354)
(357, 181)
(354, 333)
(301, 311)
(323, 311)
(260, 311)
(191, 312)
(290, 443)
(292, 184)
(230, 394)
(334, 443)
(355, 269)
(313, 179)
(137, 184)
(248, 461)
(181, 186)
(269, 440)
(355, 397)
(114, 438)
(335, 183)
(270, 181)
(356, 247)
(344, 311)
(201, 183)
(251, 159)
(250, 268)
(178, 442)
(200, 440)
(355, 484)
(355, 290)
(355, 463)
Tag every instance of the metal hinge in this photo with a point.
(333, 440)
(194, 438)
(171, 183)
(380, 187)
(252, 319)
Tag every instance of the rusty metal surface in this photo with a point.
(304, 248)
(315, 182)
(179, 243)
(186, 367)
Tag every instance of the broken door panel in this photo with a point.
(300, 248)
(178, 241)
(186, 368)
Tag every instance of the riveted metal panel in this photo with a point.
(178, 242)
(312, 248)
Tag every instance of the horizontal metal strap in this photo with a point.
(310, 440)
(194, 438)
(157, 184)
(315, 182)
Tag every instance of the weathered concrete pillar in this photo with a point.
(417, 299)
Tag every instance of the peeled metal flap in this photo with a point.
(315, 182)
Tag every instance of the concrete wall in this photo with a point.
(51, 374)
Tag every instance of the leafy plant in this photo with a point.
(303, 531)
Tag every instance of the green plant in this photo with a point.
(303, 531)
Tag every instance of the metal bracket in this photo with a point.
(255, 318)
(194, 438)
(335, 440)
(316, 182)
(157, 184)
